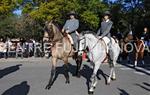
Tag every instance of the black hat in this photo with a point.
(72, 13)
(107, 13)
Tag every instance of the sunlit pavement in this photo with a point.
(30, 76)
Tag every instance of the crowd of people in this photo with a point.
(20, 48)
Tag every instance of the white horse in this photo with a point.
(97, 54)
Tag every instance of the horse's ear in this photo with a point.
(46, 22)
(51, 21)
(84, 32)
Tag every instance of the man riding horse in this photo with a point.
(62, 46)
(106, 25)
(70, 28)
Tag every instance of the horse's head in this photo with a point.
(82, 42)
(84, 39)
(54, 34)
(48, 30)
(128, 38)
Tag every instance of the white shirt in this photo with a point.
(107, 20)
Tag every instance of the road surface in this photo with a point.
(30, 76)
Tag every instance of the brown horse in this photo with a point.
(137, 46)
(61, 49)
(139, 51)
(124, 46)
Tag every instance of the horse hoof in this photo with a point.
(113, 79)
(78, 76)
(107, 83)
(90, 92)
(67, 82)
(47, 87)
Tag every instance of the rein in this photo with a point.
(100, 39)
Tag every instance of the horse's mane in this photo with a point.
(56, 25)
(89, 32)
(57, 33)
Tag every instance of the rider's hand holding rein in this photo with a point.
(67, 31)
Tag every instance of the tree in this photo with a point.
(28, 28)
(89, 11)
(7, 27)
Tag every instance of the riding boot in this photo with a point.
(109, 55)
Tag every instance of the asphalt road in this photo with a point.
(30, 76)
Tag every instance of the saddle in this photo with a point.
(107, 42)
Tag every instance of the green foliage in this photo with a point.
(23, 27)
(7, 27)
(28, 28)
(57, 10)
(46, 11)
(90, 19)
(27, 8)
(5, 7)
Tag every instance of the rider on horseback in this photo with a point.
(70, 28)
(106, 26)
(104, 30)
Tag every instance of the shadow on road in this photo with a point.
(9, 70)
(59, 71)
(86, 72)
(144, 86)
(19, 89)
(137, 69)
(147, 84)
(123, 92)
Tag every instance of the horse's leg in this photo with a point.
(142, 57)
(53, 71)
(111, 65)
(94, 78)
(111, 73)
(113, 77)
(78, 62)
(136, 58)
(66, 67)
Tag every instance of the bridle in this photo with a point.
(90, 50)
(84, 38)
(84, 48)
